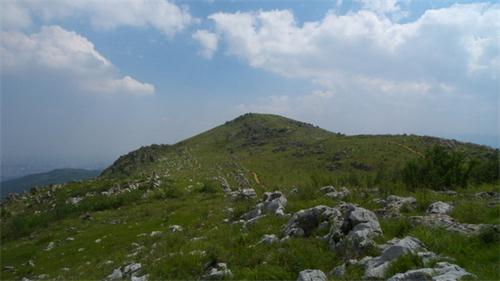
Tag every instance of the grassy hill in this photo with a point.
(281, 152)
(86, 230)
(41, 179)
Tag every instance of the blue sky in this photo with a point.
(86, 81)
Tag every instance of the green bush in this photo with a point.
(208, 187)
(439, 168)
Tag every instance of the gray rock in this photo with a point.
(354, 230)
(443, 271)
(218, 271)
(448, 223)
(269, 239)
(271, 203)
(50, 246)
(394, 204)
(488, 195)
(175, 228)
(339, 271)
(133, 267)
(395, 248)
(303, 222)
(116, 275)
(338, 194)
(139, 278)
(423, 274)
(327, 189)
(311, 275)
(246, 193)
(439, 207)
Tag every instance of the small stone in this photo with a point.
(117, 274)
(50, 246)
(439, 208)
(311, 275)
(155, 233)
(175, 228)
(133, 267)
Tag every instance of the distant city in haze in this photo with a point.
(83, 82)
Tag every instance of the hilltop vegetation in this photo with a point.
(176, 208)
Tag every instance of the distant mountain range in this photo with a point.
(40, 179)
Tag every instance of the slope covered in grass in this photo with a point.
(85, 230)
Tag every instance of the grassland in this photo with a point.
(263, 152)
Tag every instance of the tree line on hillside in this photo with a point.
(442, 168)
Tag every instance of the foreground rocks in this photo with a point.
(311, 275)
(394, 249)
(443, 271)
(437, 216)
(393, 205)
(305, 221)
(216, 271)
(271, 203)
(354, 230)
(439, 208)
(333, 193)
(131, 270)
(246, 193)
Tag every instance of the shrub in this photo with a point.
(490, 235)
(440, 168)
(208, 187)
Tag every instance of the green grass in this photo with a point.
(271, 153)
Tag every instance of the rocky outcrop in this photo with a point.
(246, 193)
(393, 205)
(354, 229)
(437, 217)
(269, 239)
(394, 249)
(131, 270)
(303, 222)
(443, 271)
(311, 275)
(272, 203)
(216, 271)
(439, 207)
(488, 195)
(342, 193)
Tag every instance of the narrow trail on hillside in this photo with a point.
(407, 148)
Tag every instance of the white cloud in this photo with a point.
(380, 6)
(438, 72)
(56, 54)
(208, 42)
(159, 14)
(444, 46)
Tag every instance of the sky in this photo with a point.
(85, 81)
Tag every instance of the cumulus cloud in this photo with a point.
(55, 54)
(162, 15)
(449, 46)
(208, 42)
(376, 71)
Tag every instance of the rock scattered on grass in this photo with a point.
(439, 207)
(311, 275)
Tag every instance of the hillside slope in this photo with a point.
(247, 201)
(280, 152)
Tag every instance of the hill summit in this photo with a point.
(280, 151)
(264, 197)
